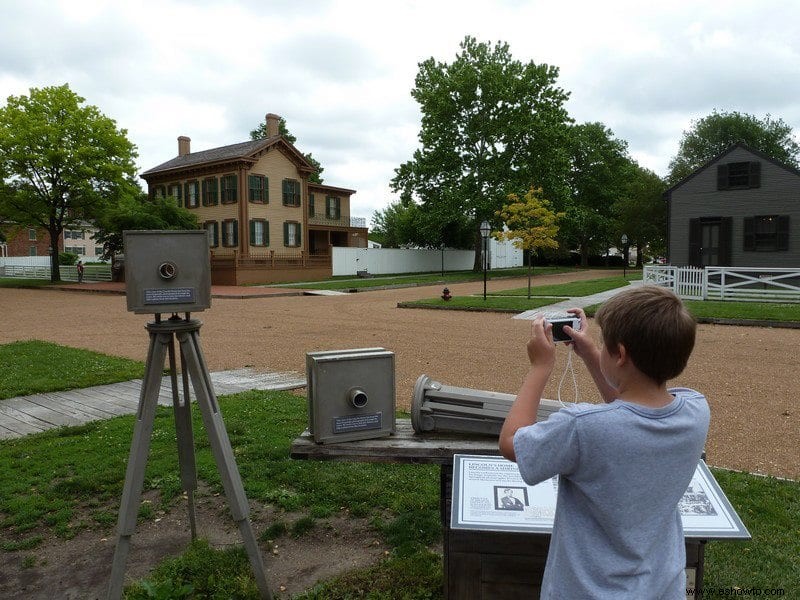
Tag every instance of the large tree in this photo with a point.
(641, 213)
(63, 162)
(597, 177)
(261, 132)
(491, 125)
(711, 135)
(139, 213)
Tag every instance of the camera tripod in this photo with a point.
(162, 344)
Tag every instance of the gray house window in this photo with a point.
(739, 175)
(769, 233)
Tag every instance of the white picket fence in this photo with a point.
(68, 273)
(727, 283)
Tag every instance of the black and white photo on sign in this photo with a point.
(510, 498)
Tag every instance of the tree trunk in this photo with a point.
(530, 263)
(477, 266)
(55, 271)
(584, 253)
(638, 255)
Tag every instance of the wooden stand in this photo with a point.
(162, 342)
(478, 565)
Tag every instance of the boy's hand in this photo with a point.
(581, 342)
(541, 349)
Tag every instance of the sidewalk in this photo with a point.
(577, 302)
(39, 412)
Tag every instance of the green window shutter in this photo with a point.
(783, 232)
(186, 193)
(297, 193)
(216, 233)
(722, 177)
(285, 234)
(251, 186)
(266, 189)
(749, 233)
(338, 205)
(695, 231)
(725, 244)
(214, 191)
(252, 232)
(754, 179)
(311, 205)
(235, 232)
(285, 190)
(299, 237)
(266, 233)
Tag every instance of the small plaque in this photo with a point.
(357, 422)
(168, 295)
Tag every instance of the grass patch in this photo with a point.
(20, 282)
(499, 303)
(769, 311)
(34, 367)
(770, 509)
(743, 311)
(575, 288)
(422, 278)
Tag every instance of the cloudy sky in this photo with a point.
(340, 71)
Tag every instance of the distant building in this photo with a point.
(740, 209)
(265, 220)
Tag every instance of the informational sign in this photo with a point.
(489, 494)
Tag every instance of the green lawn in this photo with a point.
(378, 281)
(575, 288)
(17, 282)
(505, 303)
(34, 367)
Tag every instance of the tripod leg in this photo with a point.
(183, 430)
(137, 460)
(223, 453)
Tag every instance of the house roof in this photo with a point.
(241, 151)
(330, 188)
(668, 193)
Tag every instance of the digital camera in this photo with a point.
(558, 321)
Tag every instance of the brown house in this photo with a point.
(265, 221)
(25, 241)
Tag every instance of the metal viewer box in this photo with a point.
(351, 394)
(167, 271)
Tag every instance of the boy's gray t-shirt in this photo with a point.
(622, 470)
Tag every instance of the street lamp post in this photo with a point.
(485, 230)
(624, 256)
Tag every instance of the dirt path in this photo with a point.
(745, 372)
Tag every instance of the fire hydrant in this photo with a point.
(446, 294)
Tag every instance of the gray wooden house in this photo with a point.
(741, 209)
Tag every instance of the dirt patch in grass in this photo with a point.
(79, 568)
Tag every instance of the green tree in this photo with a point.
(641, 212)
(404, 222)
(599, 163)
(531, 224)
(64, 162)
(713, 134)
(260, 132)
(490, 125)
(139, 213)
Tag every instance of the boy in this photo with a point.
(623, 466)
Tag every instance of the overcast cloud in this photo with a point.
(341, 72)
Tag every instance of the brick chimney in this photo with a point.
(184, 145)
(273, 121)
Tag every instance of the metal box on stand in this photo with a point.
(351, 394)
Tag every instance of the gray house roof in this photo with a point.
(241, 151)
(668, 193)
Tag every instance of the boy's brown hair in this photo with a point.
(653, 325)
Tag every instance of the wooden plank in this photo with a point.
(108, 409)
(66, 406)
(75, 402)
(52, 417)
(404, 446)
(19, 422)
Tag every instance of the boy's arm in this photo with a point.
(588, 352)
(541, 353)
